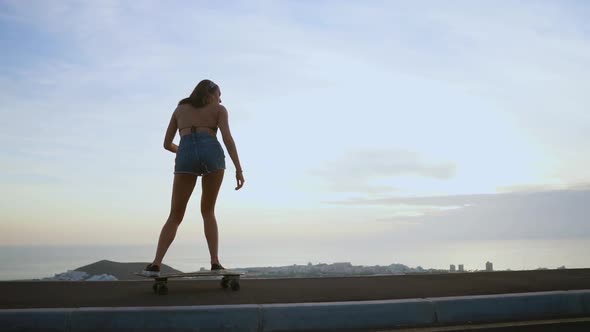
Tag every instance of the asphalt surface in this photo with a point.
(60, 294)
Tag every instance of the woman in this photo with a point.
(199, 153)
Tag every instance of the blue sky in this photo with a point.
(333, 104)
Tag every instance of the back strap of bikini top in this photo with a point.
(194, 128)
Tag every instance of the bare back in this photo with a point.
(204, 118)
(208, 119)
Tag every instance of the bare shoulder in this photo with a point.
(179, 109)
(222, 108)
(221, 111)
(176, 110)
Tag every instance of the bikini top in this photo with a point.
(194, 128)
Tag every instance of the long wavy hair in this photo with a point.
(201, 93)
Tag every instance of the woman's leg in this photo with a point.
(211, 183)
(181, 192)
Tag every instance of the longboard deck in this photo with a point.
(230, 279)
(193, 274)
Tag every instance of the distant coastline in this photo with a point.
(105, 270)
(109, 270)
(32, 262)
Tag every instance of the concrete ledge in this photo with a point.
(304, 316)
(505, 307)
(35, 320)
(353, 315)
(201, 318)
(185, 318)
(585, 300)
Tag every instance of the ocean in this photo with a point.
(35, 262)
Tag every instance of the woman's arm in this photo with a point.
(170, 133)
(230, 145)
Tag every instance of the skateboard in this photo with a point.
(230, 279)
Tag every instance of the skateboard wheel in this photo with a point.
(224, 283)
(235, 285)
(161, 289)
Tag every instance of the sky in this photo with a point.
(358, 123)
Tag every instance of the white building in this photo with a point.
(461, 268)
(452, 268)
(489, 267)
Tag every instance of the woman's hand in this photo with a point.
(172, 148)
(239, 179)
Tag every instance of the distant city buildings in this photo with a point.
(334, 269)
(453, 269)
(489, 267)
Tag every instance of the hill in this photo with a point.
(122, 271)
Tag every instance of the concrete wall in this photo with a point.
(304, 316)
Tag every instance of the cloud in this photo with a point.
(357, 169)
(515, 215)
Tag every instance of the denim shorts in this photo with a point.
(199, 153)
